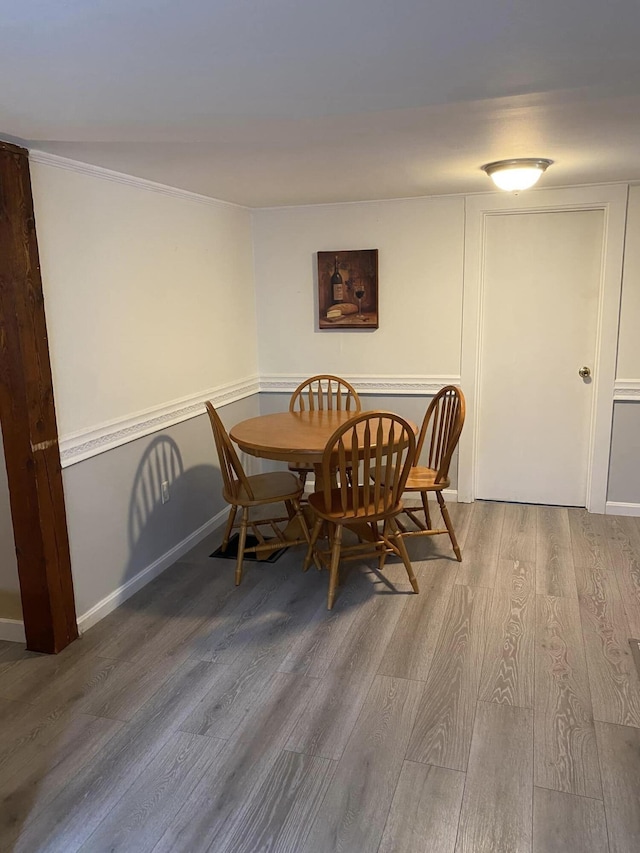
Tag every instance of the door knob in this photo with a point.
(585, 372)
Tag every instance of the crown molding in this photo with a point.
(81, 445)
(393, 385)
(128, 180)
(436, 196)
(627, 389)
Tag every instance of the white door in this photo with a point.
(539, 312)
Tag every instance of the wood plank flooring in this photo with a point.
(497, 711)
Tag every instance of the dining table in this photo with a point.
(294, 437)
(289, 436)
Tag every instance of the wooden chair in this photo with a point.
(245, 492)
(442, 426)
(317, 394)
(384, 444)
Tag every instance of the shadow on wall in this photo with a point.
(158, 471)
(167, 503)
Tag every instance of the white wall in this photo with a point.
(629, 346)
(421, 249)
(420, 243)
(149, 297)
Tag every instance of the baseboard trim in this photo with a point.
(12, 630)
(622, 508)
(146, 575)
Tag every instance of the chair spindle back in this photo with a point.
(232, 470)
(444, 420)
(370, 457)
(324, 392)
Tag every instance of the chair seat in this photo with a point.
(267, 488)
(421, 479)
(364, 511)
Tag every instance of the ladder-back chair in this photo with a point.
(319, 393)
(439, 435)
(365, 466)
(245, 492)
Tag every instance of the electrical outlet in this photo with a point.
(165, 492)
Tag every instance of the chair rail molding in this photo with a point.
(627, 389)
(612, 200)
(83, 444)
(393, 384)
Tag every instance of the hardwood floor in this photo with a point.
(497, 711)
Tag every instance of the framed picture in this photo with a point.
(348, 289)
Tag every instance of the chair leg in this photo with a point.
(425, 506)
(303, 478)
(404, 554)
(317, 527)
(241, 543)
(227, 531)
(383, 556)
(335, 562)
(302, 521)
(449, 526)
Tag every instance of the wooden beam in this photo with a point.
(27, 413)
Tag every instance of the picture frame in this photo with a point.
(348, 289)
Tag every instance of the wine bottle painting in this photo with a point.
(348, 289)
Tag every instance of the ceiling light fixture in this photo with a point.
(513, 175)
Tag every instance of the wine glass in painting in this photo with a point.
(359, 293)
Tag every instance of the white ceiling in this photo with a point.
(267, 102)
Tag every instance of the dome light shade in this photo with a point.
(513, 175)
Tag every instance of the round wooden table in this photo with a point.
(289, 436)
(292, 436)
(295, 437)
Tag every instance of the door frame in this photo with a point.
(612, 200)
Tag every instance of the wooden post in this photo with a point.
(27, 413)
